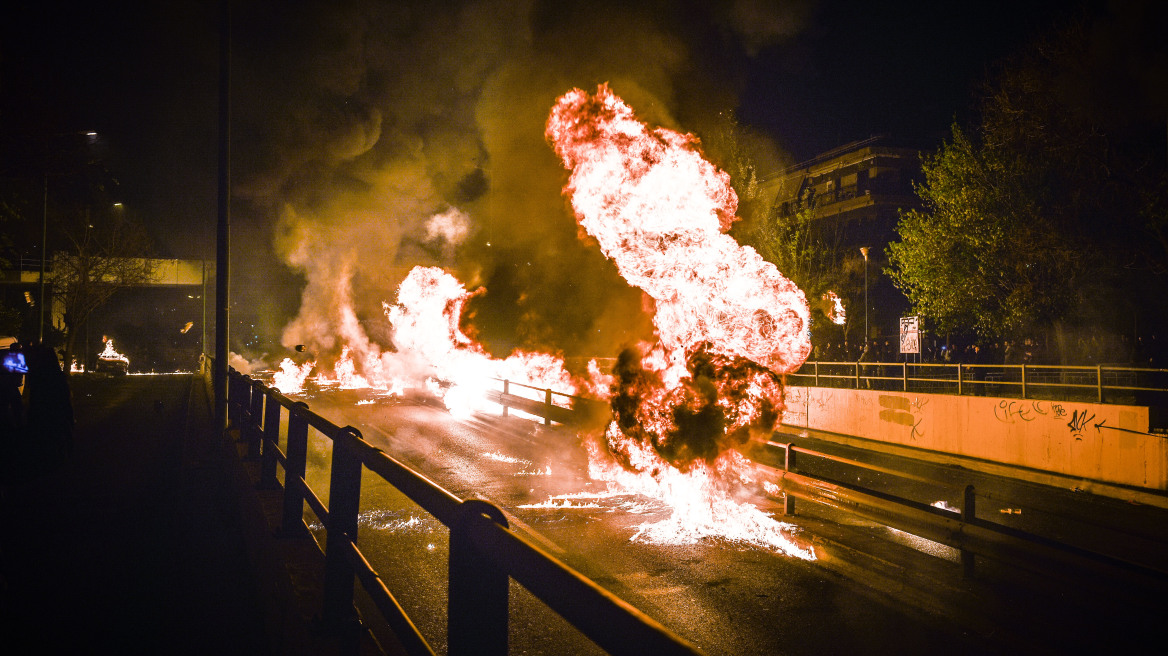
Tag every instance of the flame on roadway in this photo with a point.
(728, 323)
(109, 353)
(728, 327)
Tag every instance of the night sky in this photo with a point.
(144, 76)
(363, 110)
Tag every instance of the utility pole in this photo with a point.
(44, 253)
(864, 252)
(223, 233)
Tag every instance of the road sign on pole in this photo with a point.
(910, 334)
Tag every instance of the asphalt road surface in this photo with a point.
(726, 597)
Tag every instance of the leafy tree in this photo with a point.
(11, 318)
(743, 154)
(984, 253)
(811, 252)
(101, 258)
(1046, 215)
(804, 249)
(96, 250)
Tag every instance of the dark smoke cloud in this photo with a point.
(357, 122)
(722, 403)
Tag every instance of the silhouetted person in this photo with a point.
(50, 408)
(12, 369)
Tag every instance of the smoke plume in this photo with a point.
(379, 136)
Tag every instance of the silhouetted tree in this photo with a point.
(1049, 213)
(101, 258)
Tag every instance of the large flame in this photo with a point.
(728, 323)
(290, 378)
(660, 212)
(835, 311)
(426, 333)
(430, 351)
(108, 353)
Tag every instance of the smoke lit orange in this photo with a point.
(728, 323)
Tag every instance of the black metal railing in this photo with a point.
(1098, 383)
(960, 528)
(485, 554)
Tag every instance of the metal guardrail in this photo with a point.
(1098, 383)
(485, 554)
(960, 529)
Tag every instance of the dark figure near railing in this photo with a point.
(50, 407)
(13, 366)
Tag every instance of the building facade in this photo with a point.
(851, 198)
(857, 189)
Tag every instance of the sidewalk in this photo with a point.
(129, 545)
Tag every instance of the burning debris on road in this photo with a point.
(110, 361)
(728, 326)
(716, 407)
(728, 323)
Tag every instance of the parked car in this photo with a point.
(113, 367)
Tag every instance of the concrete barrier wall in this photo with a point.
(1108, 443)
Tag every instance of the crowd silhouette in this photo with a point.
(1084, 350)
(36, 426)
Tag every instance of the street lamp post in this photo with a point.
(45, 224)
(44, 250)
(864, 252)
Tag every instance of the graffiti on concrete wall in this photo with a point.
(904, 411)
(795, 406)
(1080, 420)
(800, 402)
(1011, 412)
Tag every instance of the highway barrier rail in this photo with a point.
(961, 529)
(485, 553)
(958, 528)
(1098, 383)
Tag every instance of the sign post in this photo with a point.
(910, 335)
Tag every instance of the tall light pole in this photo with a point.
(864, 252)
(45, 225)
(223, 225)
(44, 250)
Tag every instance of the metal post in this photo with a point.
(547, 418)
(293, 518)
(44, 252)
(789, 466)
(234, 398)
(968, 513)
(242, 394)
(344, 502)
(1023, 381)
(959, 392)
(904, 374)
(817, 373)
(864, 252)
(203, 343)
(1099, 381)
(857, 375)
(223, 230)
(271, 436)
(506, 391)
(254, 433)
(477, 610)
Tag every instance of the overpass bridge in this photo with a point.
(25, 279)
